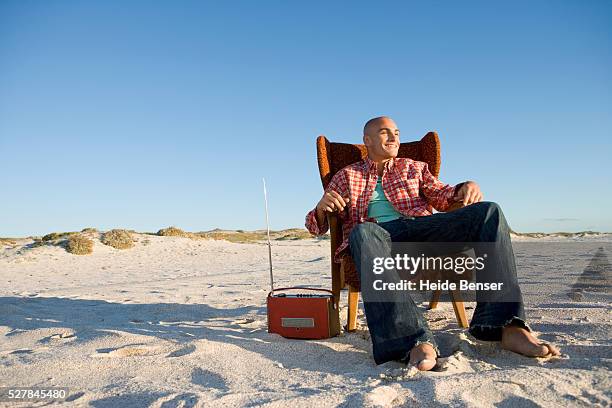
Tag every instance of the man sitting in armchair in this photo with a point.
(385, 199)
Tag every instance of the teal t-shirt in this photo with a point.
(379, 207)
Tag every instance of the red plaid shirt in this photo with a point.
(408, 184)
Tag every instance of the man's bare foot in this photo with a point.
(423, 357)
(521, 341)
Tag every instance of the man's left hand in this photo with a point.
(469, 193)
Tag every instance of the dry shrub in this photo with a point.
(292, 234)
(79, 245)
(172, 232)
(118, 239)
(52, 236)
(233, 236)
(241, 236)
(8, 241)
(57, 235)
(38, 243)
(89, 230)
(238, 236)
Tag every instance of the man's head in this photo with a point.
(381, 138)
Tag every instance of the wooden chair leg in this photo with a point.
(336, 288)
(353, 302)
(435, 297)
(459, 308)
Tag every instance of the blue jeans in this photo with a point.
(396, 325)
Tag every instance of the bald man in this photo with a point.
(385, 199)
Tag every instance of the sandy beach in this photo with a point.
(147, 149)
(179, 322)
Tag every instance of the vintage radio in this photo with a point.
(300, 315)
(303, 315)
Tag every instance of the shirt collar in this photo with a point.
(371, 165)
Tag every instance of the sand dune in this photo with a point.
(175, 321)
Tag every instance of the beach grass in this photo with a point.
(58, 235)
(8, 241)
(172, 232)
(241, 236)
(79, 244)
(232, 236)
(118, 239)
(122, 238)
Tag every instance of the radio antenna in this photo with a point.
(268, 230)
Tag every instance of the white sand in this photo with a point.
(180, 322)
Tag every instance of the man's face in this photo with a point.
(382, 139)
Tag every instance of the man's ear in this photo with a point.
(366, 139)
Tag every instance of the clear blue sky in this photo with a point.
(144, 114)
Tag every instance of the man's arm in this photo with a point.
(437, 193)
(335, 198)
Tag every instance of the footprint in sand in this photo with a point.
(185, 400)
(183, 352)
(208, 379)
(28, 294)
(22, 351)
(136, 350)
(244, 321)
(75, 397)
(381, 396)
(58, 337)
(14, 332)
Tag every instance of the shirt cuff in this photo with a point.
(312, 224)
(456, 189)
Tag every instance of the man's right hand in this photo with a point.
(330, 202)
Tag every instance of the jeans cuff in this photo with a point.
(399, 349)
(489, 332)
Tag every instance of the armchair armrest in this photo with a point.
(332, 221)
(335, 235)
